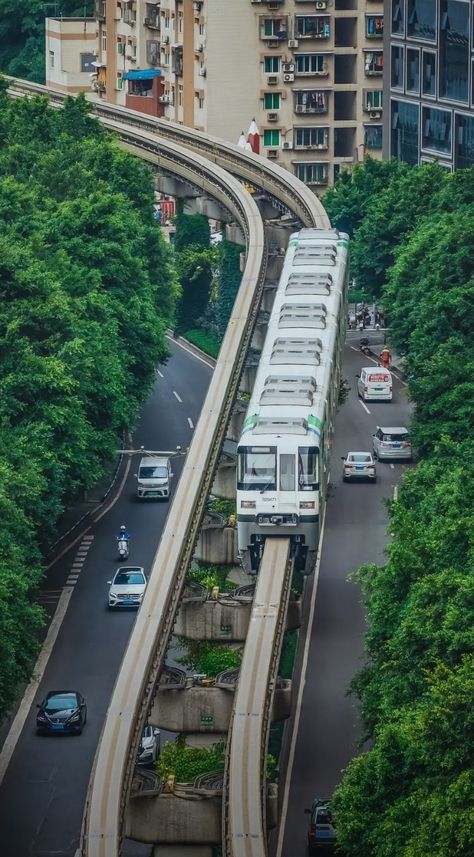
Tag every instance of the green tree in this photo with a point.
(187, 763)
(229, 279)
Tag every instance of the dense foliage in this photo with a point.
(186, 763)
(86, 290)
(22, 33)
(412, 793)
(229, 282)
(208, 658)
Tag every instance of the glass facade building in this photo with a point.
(429, 81)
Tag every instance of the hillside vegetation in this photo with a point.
(412, 793)
(86, 290)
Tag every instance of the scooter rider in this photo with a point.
(123, 535)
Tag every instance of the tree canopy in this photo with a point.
(412, 793)
(87, 288)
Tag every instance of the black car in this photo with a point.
(62, 711)
(321, 830)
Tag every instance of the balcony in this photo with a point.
(311, 101)
(373, 63)
(312, 173)
(374, 26)
(100, 10)
(152, 16)
(311, 66)
(312, 27)
(311, 138)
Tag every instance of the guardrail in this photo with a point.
(177, 150)
(244, 831)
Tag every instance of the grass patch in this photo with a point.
(226, 508)
(203, 340)
(211, 575)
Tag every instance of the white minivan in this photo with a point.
(375, 384)
(154, 478)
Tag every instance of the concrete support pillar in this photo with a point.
(217, 546)
(234, 233)
(207, 207)
(192, 709)
(174, 187)
(225, 620)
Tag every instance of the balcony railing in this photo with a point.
(311, 103)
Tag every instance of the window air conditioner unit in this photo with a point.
(375, 114)
(255, 1)
(292, 43)
(288, 78)
(272, 117)
(288, 67)
(272, 80)
(202, 72)
(288, 145)
(165, 99)
(197, 6)
(321, 4)
(273, 43)
(299, 108)
(272, 153)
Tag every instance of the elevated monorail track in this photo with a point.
(218, 168)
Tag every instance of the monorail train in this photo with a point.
(283, 451)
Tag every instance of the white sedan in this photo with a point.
(358, 465)
(127, 588)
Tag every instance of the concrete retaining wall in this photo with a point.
(168, 818)
(216, 620)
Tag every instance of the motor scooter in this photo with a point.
(123, 548)
(364, 345)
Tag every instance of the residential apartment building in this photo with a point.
(127, 60)
(70, 53)
(309, 72)
(429, 85)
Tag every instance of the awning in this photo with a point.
(145, 74)
(97, 64)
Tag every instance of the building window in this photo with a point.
(464, 142)
(180, 22)
(271, 101)
(422, 19)
(404, 131)
(311, 138)
(274, 28)
(311, 101)
(312, 173)
(413, 70)
(374, 26)
(86, 62)
(104, 41)
(51, 59)
(120, 48)
(436, 129)
(398, 17)
(271, 65)
(374, 99)
(271, 137)
(397, 67)
(119, 82)
(180, 95)
(152, 52)
(454, 50)
(312, 27)
(428, 86)
(311, 64)
(373, 136)
(373, 63)
(201, 103)
(141, 88)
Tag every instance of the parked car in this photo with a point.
(321, 830)
(358, 465)
(149, 749)
(62, 711)
(127, 587)
(392, 442)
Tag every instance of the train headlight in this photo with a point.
(307, 504)
(248, 504)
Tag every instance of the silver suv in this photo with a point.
(392, 442)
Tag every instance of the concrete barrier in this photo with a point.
(226, 619)
(217, 546)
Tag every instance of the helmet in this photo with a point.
(123, 528)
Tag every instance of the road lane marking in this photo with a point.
(395, 493)
(191, 424)
(364, 406)
(392, 467)
(354, 348)
(299, 701)
(32, 689)
(178, 397)
(192, 353)
(160, 373)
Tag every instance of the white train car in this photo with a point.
(283, 452)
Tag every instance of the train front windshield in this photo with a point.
(257, 469)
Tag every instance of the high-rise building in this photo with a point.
(429, 83)
(308, 71)
(70, 53)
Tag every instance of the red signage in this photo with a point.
(167, 207)
(377, 379)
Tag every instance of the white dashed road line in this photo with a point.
(159, 373)
(178, 397)
(364, 406)
(392, 466)
(191, 424)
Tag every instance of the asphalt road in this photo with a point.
(355, 533)
(42, 794)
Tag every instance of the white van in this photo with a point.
(154, 478)
(375, 384)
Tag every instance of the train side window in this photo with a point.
(287, 472)
(308, 468)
